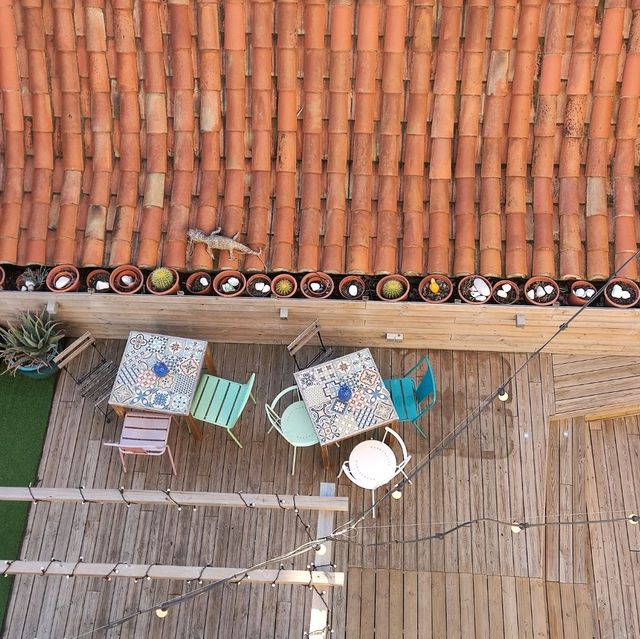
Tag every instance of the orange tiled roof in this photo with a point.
(498, 138)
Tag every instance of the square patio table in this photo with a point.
(370, 405)
(138, 387)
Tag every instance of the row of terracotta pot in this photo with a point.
(434, 289)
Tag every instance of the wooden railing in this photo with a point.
(361, 323)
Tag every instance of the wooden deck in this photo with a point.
(514, 463)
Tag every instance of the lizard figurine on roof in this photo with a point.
(219, 242)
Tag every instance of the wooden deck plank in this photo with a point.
(480, 581)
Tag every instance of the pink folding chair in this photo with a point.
(144, 434)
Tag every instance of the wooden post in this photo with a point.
(183, 498)
(55, 568)
(318, 622)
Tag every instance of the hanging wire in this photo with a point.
(43, 571)
(167, 492)
(299, 519)
(73, 570)
(8, 563)
(33, 499)
(84, 499)
(248, 504)
(275, 581)
(113, 571)
(121, 491)
(202, 572)
(281, 502)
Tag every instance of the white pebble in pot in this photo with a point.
(501, 293)
(540, 292)
(616, 291)
(626, 295)
(266, 288)
(259, 285)
(531, 294)
(352, 290)
(506, 287)
(62, 281)
(315, 286)
(101, 286)
(234, 281)
(579, 292)
(481, 286)
(548, 289)
(204, 281)
(590, 292)
(227, 288)
(127, 280)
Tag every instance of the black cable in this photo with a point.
(167, 492)
(248, 504)
(121, 490)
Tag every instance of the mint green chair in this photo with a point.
(220, 401)
(409, 398)
(294, 424)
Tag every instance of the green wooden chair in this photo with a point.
(409, 398)
(220, 401)
(294, 424)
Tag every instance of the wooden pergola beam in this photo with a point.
(183, 498)
(56, 568)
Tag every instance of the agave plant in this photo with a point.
(32, 342)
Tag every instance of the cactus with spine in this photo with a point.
(392, 289)
(283, 287)
(162, 278)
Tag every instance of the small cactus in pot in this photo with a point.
(163, 281)
(284, 285)
(393, 288)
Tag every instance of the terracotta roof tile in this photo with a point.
(362, 137)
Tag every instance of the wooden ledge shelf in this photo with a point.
(344, 323)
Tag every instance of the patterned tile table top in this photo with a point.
(370, 404)
(138, 386)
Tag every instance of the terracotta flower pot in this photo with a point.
(535, 283)
(194, 281)
(172, 290)
(577, 300)
(443, 289)
(626, 285)
(284, 277)
(511, 296)
(126, 270)
(467, 285)
(38, 276)
(2, 276)
(383, 285)
(224, 288)
(346, 284)
(256, 279)
(68, 271)
(318, 280)
(98, 274)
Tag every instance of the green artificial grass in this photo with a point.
(24, 412)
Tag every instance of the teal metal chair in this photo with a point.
(294, 424)
(220, 401)
(411, 401)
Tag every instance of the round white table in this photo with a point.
(372, 464)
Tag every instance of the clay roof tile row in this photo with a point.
(377, 136)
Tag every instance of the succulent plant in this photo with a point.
(283, 287)
(29, 343)
(34, 279)
(162, 278)
(392, 289)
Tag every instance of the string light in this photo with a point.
(503, 396)
(321, 549)
(167, 492)
(248, 504)
(162, 612)
(396, 494)
(634, 519)
(121, 490)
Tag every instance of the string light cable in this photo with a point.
(344, 529)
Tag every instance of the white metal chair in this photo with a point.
(144, 434)
(294, 424)
(373, 463)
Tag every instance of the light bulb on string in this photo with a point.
(321, 549)
(633, 519)
(162, 612)
(503, 396)
(396, 494)
(517, 527)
